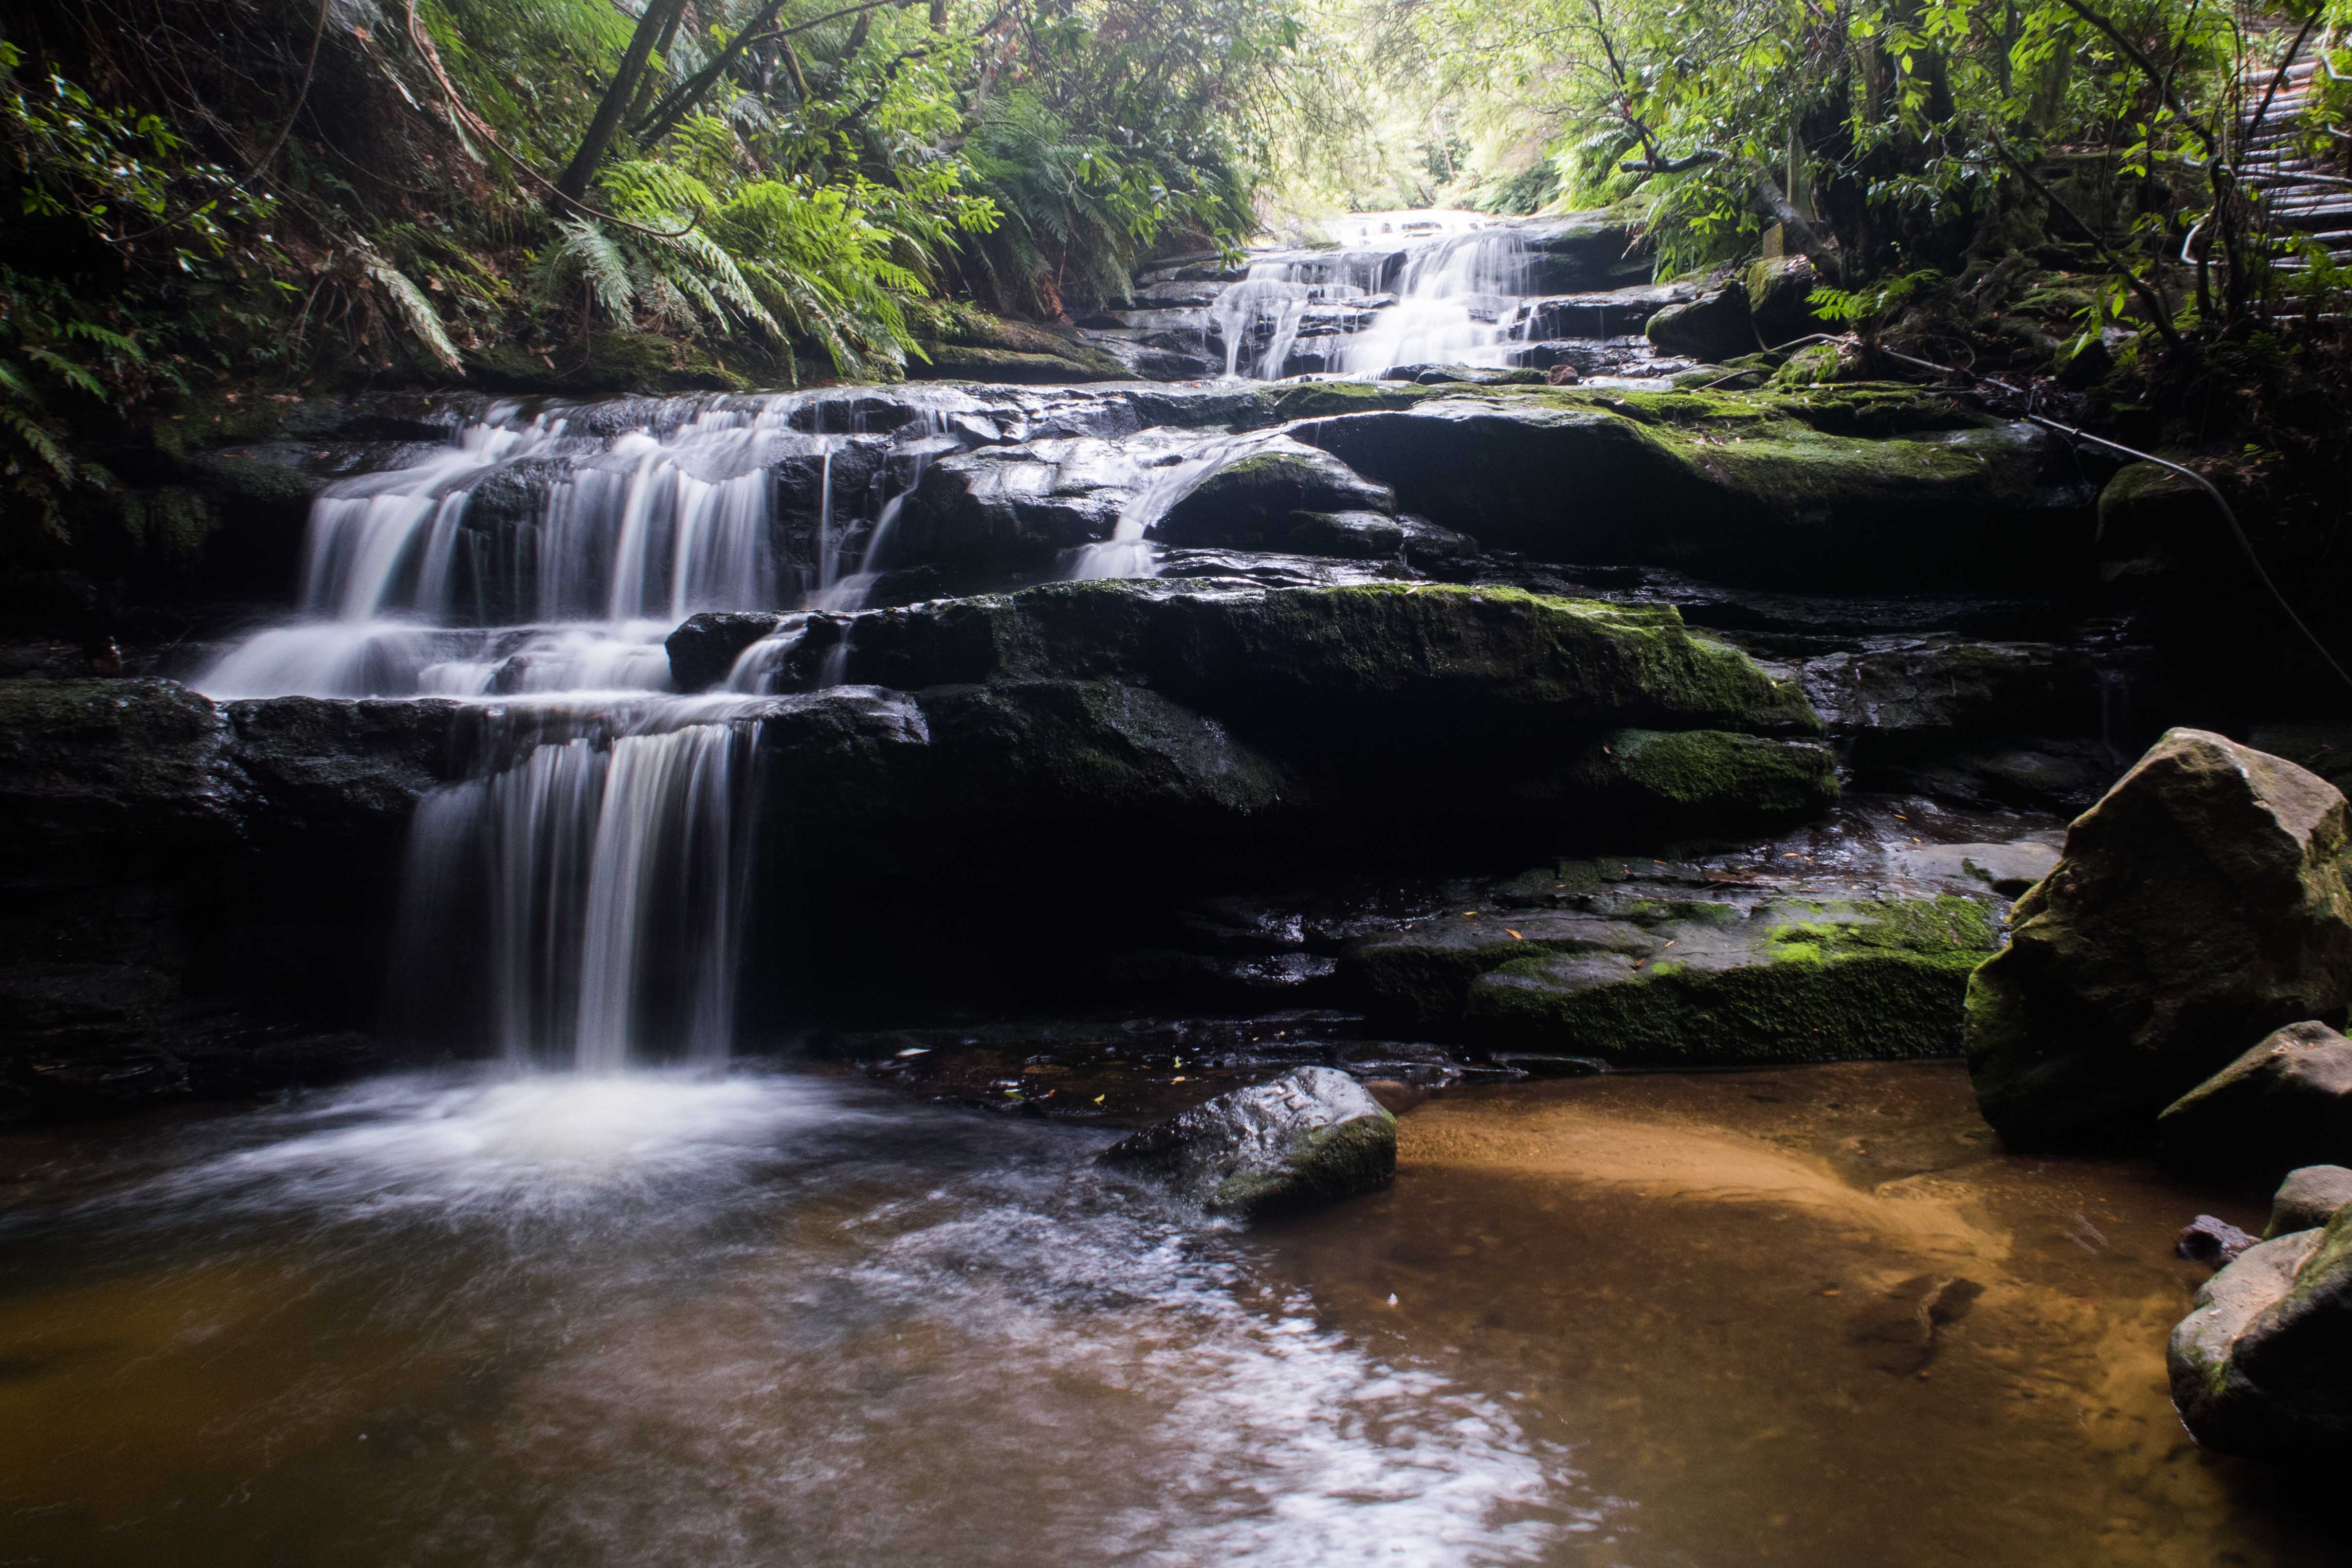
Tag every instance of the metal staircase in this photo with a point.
(2301, 198)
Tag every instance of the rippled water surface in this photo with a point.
(776, 1318)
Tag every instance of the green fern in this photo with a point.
(414, 310)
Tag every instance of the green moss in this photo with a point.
(169, 521)
(1322, 1164)
(195, 421)
(1072, 362)
(1676, 773)
(1871, 1005)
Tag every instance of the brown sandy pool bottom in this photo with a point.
(1805, 1316)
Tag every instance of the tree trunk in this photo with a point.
(572, 185)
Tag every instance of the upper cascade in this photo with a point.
(1400, 289)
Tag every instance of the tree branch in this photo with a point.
(2158, 312)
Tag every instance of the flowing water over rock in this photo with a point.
(1406, 726)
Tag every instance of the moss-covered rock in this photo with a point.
(1247, 504)
(1730, 488)
(1788, 981)
(2203, 903)
(966, 361)
(1779, 292)
(1418, 659)
(1695, 781)
(1822, 365)
(2263, 1366)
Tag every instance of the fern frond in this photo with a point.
(408, 301)
(75, 375)
(105, 337)
(589, 248)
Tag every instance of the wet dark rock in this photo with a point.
(1311, 1136)
(1779, 299)
(1714, 982)
(1739, 495)
(1548, 1064)
(2285, 1103)
(197, 891)
(2210, 1241)
(1901, 692)
(2309, 1199)
(1612, 313)
(705, 646)
(2200, 904)
(1248, 503)
(2041, 774)
(1430, 548)
(325, 768)
(2263, 1367)
(1002, 511)
(2009, 869)
(1902, 1331)
(1463, 375)
(1711, 329)
(1583, 252)
(1072, 754)
(1446, 659)
(94, 769)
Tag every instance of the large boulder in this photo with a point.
(2200, 905)
(2263, 1367)
(1731, 490)
(1583, 252)
(1711, 329)
(2285, 1103)
(1313, 1135)
(1248, 503)
(2309, 1199)
(1718, 983)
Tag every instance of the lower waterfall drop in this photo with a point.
(594, 884)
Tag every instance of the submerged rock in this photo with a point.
(2200, 904)
(2309, 1199)
(2263, 1367)
(1902, 1331)
(2285, 1103)
(1313, 1135)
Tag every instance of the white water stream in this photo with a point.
(534, 561)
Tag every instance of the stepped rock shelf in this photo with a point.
(794, 677)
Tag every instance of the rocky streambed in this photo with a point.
(773, 843)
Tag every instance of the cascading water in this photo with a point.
(601, 871)
(589, 878)
(1399, 288)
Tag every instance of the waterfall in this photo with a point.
(1459, 280)
(1170, 477)
(551, 552)
(599, 873)
(580, 899)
